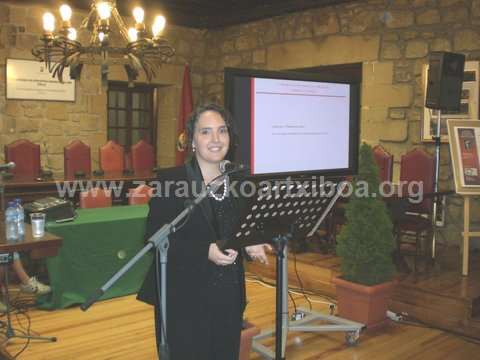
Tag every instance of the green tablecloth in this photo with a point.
(95, 246)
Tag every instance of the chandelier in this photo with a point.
(140, 52)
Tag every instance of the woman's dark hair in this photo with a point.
(195, 116)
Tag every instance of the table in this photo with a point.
(30, 188)
(95, 246)
(47, 245)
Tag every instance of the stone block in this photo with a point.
(34, 112)
(396, 113)
(395, 131)
(455, 15)
(245, 43)
(421, 3)
(427, 17)
(397, 95)
(416, 49)
(57, 111)
(18, 15)
(377, 73)
(231, 60)
(90, 122)
(13, 108)
(440, 44)
(364, 20)
(325, 22)
(336, 49)
(466, 40)
(476, 8)
(72, 129)
(52, 127)
(4, 13)
(97, 104)
(26, 125)
(414, 132)
(446, 3)
(398, 19)
(391, 50)
(228, 46)
(8, 125)
(197, 80)
(259, 56)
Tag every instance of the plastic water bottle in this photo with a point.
(20, 219)
(11, 231)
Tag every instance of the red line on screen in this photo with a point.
(252, 126)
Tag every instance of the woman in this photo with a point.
(205, 285)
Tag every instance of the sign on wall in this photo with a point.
(31, 80)
(464, 136)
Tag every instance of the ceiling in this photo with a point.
(210, 14)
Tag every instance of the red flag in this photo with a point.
(186, 107)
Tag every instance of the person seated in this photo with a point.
(28, 285)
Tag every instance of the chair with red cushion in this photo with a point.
(95, 198)
(25, 155)
(384, 161)
(139, 195)
(111, 157)
(76, 159)
(143, 157)
(413, 227)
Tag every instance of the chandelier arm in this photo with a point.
(120, 24)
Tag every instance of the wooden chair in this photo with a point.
(415, 221)
(26, 156)
(143, 158)
(111, 156)
(384, 162)
(140, 195)
(95, 198)
(76, 159)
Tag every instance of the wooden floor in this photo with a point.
(122, 328)
(438, 295)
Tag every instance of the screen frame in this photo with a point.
(354, 121)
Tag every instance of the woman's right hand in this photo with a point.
(218, 257)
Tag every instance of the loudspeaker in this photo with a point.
(445, 77)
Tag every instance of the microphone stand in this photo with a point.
(160, 241)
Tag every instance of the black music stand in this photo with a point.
(285, 209)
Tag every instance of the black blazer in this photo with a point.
(188, 252)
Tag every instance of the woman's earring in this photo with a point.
(193, 148)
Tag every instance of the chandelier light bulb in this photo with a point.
(104, 10)
(101, 36)
(158, 25)
(72, 34)
(65, 12)
(138, 14)
(48, 22)
(132, 34)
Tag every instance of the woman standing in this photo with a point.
(205, 285)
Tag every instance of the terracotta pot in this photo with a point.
(365, 304)
(248, 332)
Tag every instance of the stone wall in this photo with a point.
(54, 124)
(392, 38)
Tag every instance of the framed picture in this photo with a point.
(468, 105)
(31, 80)
(464, 137)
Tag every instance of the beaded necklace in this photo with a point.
(225, 191)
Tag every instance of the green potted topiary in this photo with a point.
(365, 245)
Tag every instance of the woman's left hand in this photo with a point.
(257, 252)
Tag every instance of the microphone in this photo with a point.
(227, 167)
(7, 166)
